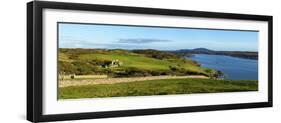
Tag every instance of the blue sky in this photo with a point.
(133, 37)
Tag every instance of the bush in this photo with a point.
(155, 73)
(132, 72)
(66, 67)
(85, 68)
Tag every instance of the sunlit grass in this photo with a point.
(157, 87)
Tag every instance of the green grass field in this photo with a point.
(88, 62)
(156, 87)
(143, 62)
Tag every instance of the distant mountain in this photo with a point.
(194, 51)
(241, 54)
(203, 50)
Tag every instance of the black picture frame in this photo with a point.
(35, 69)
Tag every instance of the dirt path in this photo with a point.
(66, 83)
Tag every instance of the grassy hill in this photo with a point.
(130, 63)
(100, 64)
(156, 87)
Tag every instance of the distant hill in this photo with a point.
(241, 54)
(197, 50)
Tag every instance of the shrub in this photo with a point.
(131, 72)
(155, 73)
(66, 67)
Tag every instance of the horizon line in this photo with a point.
(161, 50)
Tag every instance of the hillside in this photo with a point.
(127, 63)
(102, 73)
(156, 87)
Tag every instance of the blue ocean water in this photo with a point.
(233, 68)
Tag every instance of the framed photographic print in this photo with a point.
(96, 61)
